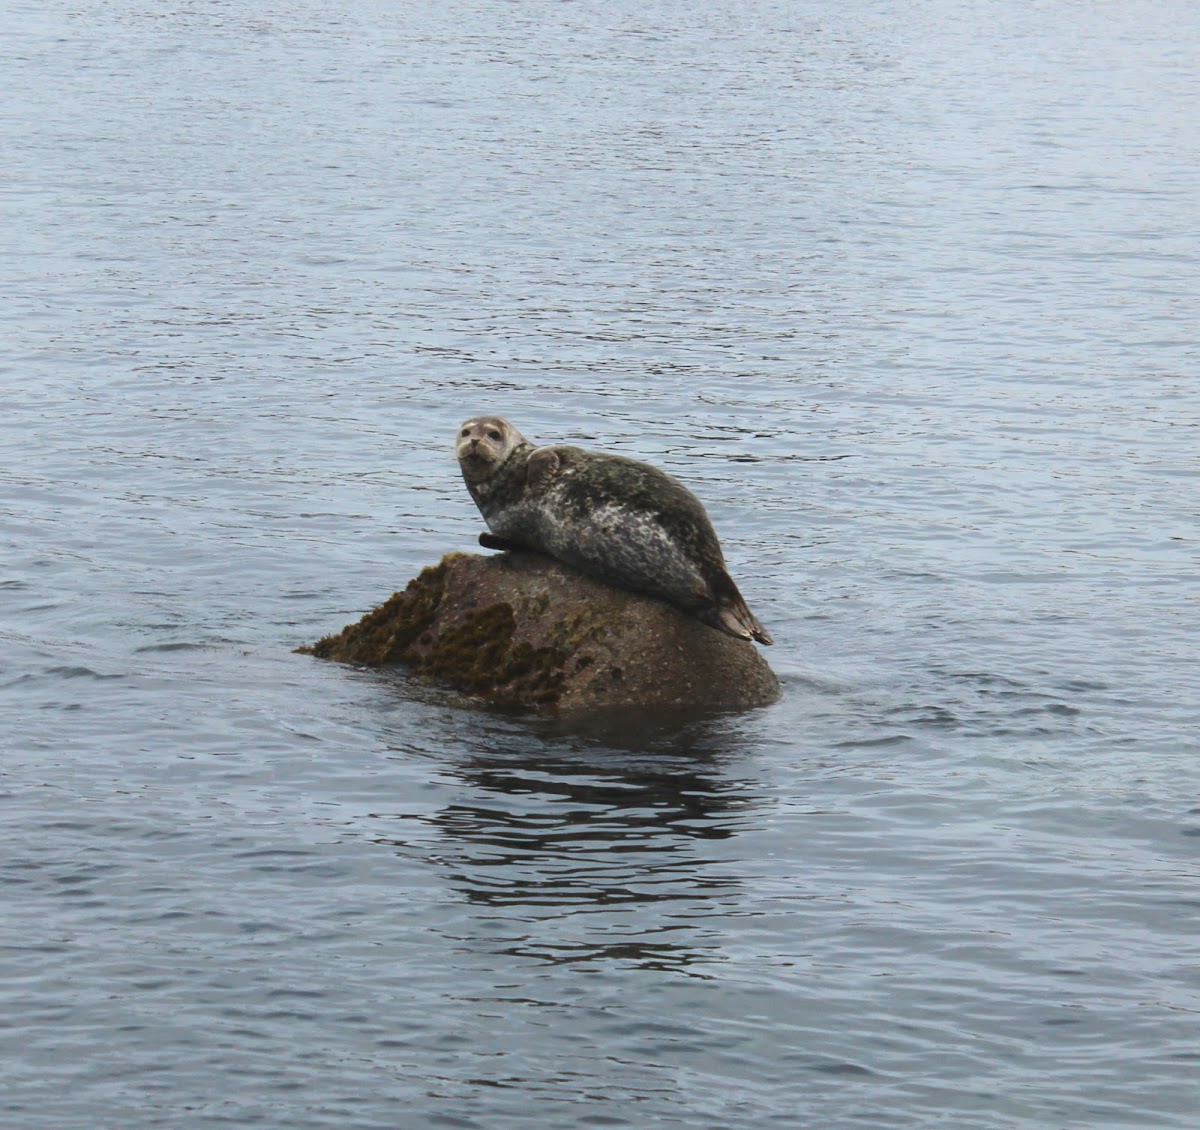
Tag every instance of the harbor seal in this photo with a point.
(608, 516)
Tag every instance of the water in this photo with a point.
(907, 296)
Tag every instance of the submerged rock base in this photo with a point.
(521, 630)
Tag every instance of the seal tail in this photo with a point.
(731, 615)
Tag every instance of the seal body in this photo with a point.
(613, 518)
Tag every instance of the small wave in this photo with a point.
(74, 672)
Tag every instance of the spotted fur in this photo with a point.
(613, 518)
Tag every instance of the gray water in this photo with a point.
(906, 293)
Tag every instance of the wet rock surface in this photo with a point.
(520, 630)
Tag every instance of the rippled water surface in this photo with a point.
(907, 293)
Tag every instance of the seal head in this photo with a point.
(484, 445)
(613, 518)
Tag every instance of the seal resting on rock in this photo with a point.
(613, 518)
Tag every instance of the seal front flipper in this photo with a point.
(543, 465)
(491, 541)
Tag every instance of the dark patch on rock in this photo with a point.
(521, 630)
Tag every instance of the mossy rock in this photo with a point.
(521, 630)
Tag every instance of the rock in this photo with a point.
(522, 630)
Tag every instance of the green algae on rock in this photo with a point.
(521, 630)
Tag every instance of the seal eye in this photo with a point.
(466, 432)
(493, 434)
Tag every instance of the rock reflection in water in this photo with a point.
(591, 839)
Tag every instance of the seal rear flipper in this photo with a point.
(758, 631)
(737, 621)
(730, 613)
